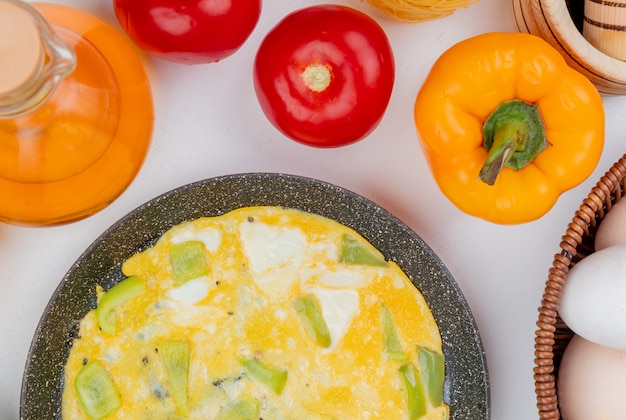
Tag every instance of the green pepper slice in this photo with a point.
(272, 378)
(312, 320)
(353, 251)
(432, 370)
(188, 261)
(97, 395)
(243, 409)
(106, 311)
(413, 391)
(391, 340)
(175, 357)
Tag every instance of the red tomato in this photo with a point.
(188, 31)
(324, 75)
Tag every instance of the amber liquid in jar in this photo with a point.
(81, 149)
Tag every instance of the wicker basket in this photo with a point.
(552, 334)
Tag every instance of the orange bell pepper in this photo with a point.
(507, 126)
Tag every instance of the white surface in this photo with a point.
(208, 123)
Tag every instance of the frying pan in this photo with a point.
(466, 387)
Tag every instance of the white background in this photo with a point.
(208, 123)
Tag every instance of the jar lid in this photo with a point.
(21, 55)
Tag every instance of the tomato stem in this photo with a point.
(514, 134)
(316, 77)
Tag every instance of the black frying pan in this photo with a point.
(466, 386)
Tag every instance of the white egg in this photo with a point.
(612, 229)
(591, 382)
(270, 247)
(593, 302)
(211, 237)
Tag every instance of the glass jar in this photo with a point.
(76, 113)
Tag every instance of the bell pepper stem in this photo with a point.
(514, 134)
(501, 151)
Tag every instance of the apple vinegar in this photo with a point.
(74, 152)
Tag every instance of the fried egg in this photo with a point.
(260, 313)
